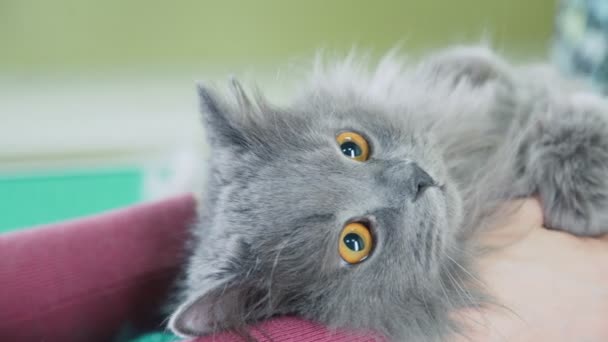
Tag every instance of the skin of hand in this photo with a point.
(551, 286)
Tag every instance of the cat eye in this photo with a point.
(355, 243)
(353, 146)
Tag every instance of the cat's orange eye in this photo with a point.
(355, 243)
(353, 145)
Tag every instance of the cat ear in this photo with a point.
(207, 311)
(477, 65)
(220, 118)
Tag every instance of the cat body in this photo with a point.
(450, 139)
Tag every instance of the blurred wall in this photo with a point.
(68, 35)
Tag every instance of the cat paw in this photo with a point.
(563, 158)
(476, 65)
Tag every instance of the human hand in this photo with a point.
(552, 286)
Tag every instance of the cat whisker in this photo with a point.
(465, 270)
(472, 302)
(475, 305)
(445, 292)
(431, 315)
(485, 323)
(274, 266)
(461, 289)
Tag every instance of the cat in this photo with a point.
(356, 205)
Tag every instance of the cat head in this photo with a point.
(338, 208)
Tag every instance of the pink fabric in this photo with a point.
(82, 280)
(292, 329)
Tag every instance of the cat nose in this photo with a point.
(407, 179)
(420, 181)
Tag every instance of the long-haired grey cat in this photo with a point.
(355, 206)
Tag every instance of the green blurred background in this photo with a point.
(97, 101)
(97, 105)
(63, 35)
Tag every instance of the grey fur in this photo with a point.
(280, 191)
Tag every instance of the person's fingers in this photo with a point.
(526, 212)
(603, 238)
(597, 248)
(513, 222)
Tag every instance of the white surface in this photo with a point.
(76, 117)
(46, 120)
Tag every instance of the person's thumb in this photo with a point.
(513, 222)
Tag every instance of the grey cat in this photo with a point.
(356, 205)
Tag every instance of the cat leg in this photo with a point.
(476, 65)
(563, 158)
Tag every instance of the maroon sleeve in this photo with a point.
(82, 280)
(292, 329)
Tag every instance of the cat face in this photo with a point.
(285, 189)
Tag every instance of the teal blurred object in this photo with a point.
(33, 199)
(156, 337)
(128, 335)
(581, 44)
